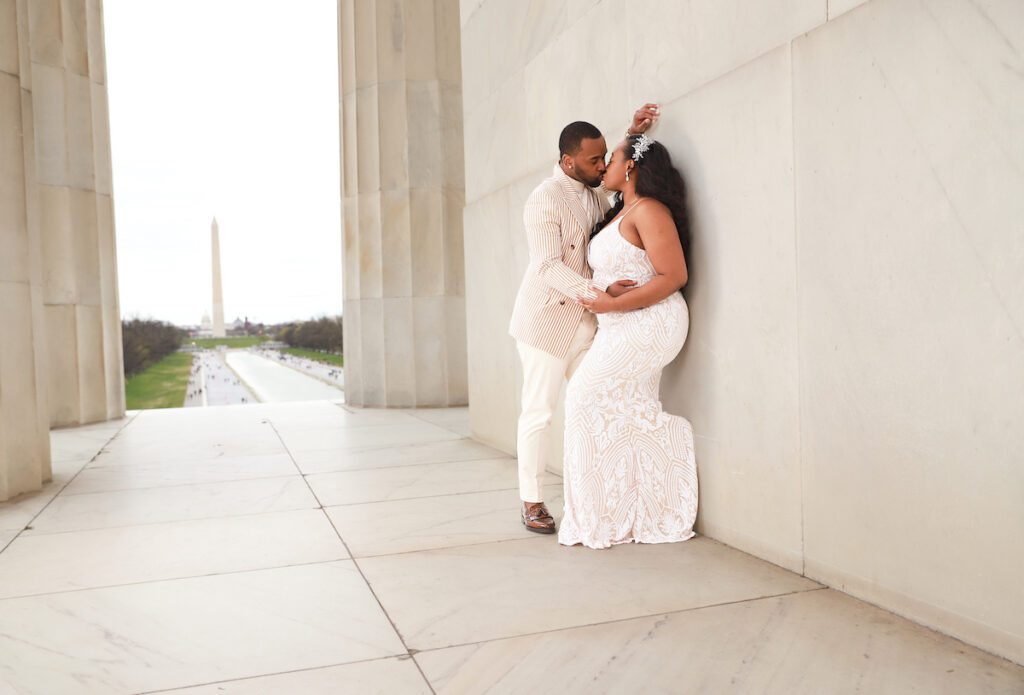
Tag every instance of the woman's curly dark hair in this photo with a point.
(656, 178)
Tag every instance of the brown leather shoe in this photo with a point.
(537, 519)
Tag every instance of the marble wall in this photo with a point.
(60, 348)
(402, 197)
(856, 356)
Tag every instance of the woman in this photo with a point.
(630, 474)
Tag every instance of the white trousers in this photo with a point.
(543, 374)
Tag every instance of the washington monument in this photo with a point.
(218, 292)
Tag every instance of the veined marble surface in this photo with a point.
(401, 482)
(154, 564)
(854, 170)
(807, 643)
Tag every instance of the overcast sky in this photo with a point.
(225, 108)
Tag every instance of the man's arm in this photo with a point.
(544, 239)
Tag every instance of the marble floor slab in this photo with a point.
(807, 643)
(363, 438)
(300, 419)
(182, 448)
(49, 563)
(477, 592)
(184, 550)
(102, 476)
(242, 418)
(443, 416)
(394, 676)
(84, 442)
(200, 434)
(403, 482)
(176, 503)
(397, 455)
(17, 513)
(401, 526)
(145, 430)
(172, 634)
(454, 419)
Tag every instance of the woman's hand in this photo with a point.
(601, 303)
(644, 118)
(620, 287)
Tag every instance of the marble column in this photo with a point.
(218, 290)
(72, 150)
(60, 347)
(403, 195)
(24, 415)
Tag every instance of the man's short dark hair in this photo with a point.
(573, 134)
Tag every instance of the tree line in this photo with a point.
(323, 334)
(146, 342)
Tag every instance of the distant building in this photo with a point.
(205, 327)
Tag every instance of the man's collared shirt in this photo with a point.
(588, 196)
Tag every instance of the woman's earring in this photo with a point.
(627, 174)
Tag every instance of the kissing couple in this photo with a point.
(600, 307)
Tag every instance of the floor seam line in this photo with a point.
(165, 521)
(175, 579)
(406, 465)
(421, 463)
(175, 485)
(535, 538)
(445, 547)
(63, 487)
(626, 619)
(359, 569)
(443, 427)
(374, 448)
(428, 497)
(398, 657)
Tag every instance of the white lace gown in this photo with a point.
(630, 472)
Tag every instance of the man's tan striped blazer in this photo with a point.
(546, 314)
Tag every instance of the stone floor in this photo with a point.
(315, 548)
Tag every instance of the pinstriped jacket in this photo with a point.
(546, 314)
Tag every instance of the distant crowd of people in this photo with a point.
(208, 367)
(321, 369)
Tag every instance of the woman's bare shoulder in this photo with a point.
(652, 211)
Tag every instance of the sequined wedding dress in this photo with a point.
(629, 472)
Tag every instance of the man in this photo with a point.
(552, 331)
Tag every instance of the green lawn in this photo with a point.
(163, 385)
(318, 356)
(248, 341)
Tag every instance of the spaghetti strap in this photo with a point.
(635, 204)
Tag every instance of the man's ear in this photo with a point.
(566, 161)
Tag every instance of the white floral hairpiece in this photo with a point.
(642, 144)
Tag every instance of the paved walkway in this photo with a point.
(314, 548)
(212, 383)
